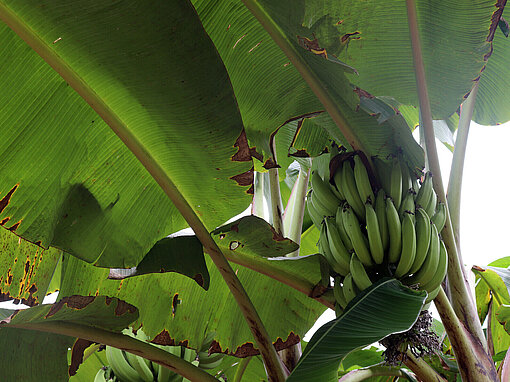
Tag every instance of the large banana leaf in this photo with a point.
(373, 37)
(173, 308)
(25, 269)
(32, 355)
(385, 308)
(281, 93)
(492, 105)
(151, 71)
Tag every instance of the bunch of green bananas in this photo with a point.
(127, 367)
(377, 225)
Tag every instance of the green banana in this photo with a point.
(338, 250)
(408, 253)
(325, 250)
(313, 213)
(431, 206)
(358, 239)
(350, 190)
(212, 361)
(407, 205)
(322, 192)
(141, 366)
(383, 172)
(100, 376)
(407, 183)
(122, 369)
(362, 181)
(374, 235)
(394, 231)
(439, 218)
(380, 210)
(395, 190)
(422, 239)
(165, 374)
(425, 191)
(359, 274)
(341, 230)
(319, 207)
(338, 292)
(432, 295)
(349, 288)
(442, 268)
(428, 269)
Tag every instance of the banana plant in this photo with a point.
(124, 123)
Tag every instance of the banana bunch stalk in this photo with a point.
(374, 225)
(127, 367)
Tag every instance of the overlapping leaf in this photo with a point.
(374, 37)
(25, 269)
(173, 308)
(387, 307)
(31, 355)
(182, 254)
(67, 180)
(245, 47)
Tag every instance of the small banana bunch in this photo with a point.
(127, 367)
(377, 225)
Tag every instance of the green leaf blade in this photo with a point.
(368, 320)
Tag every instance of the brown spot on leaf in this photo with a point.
(235, 227)
(77, 354)
(350, 36)
(123, 307)
(270, 163)
(477, 268)
(243, 150)
(163, 338)
(6, 199)
(362, 93)
(14, 227)
(175, 303)
(4, 220)
(496, 16)
(248, 350)
(74, 302)
(301, 154)
(244, 179)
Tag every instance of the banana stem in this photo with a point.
(457, 169)
(463, 303)
(472, 358)
(124, 342)
(422, 369)
(295, 209)
(374, 371)
(276, 201)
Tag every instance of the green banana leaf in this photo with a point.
(31, 355)
(151, 72)
(492, 106)
(25, 269)
(182, 254)
(174, 309)
(386, 307)
(89, 368)
(253, 236)
(373, 37)
(284, 96)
